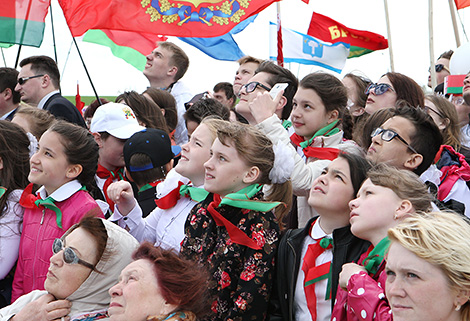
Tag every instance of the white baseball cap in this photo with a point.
(116, 119)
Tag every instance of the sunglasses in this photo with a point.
(70, 257)
(388, 135)
(23, 80)
(379, 89)
(251, 86)
(439, 68)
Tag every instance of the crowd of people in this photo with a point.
(331, 199)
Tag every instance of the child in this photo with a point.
(111, 125)
(386, 198)
(64, 165)
(236, 234)
(165, 225)
(148, 158)
(14, 169)
(302, 254)
(33, 120)
(318, 106)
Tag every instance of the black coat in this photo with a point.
(61, 108)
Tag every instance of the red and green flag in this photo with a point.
(362, 42)
(130, 46)
(22, 21)
(453, 84)
(460, 4)
(181, 18)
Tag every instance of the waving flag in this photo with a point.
(188, 18)
(460, 4)
(329, 30)
(308, 50)
(22, 21)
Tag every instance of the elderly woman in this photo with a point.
(85, 263)
(159, 285)
(428, 275)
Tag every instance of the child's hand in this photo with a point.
(45, 307)
(263, 106)
(348, 270)
(121, 193)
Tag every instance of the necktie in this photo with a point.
(103, 172)
(315, 273)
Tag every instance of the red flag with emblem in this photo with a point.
(189, 18)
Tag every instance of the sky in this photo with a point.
(409, 26)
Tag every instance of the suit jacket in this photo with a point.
(11, 115)
(61, 108)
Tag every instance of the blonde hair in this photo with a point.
(214, 124)
(257, 150)
(442, 239)
(39, 120)
(404, 183)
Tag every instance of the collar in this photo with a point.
(7, 114)
(44, 99)
(316, 232)
(63, 192)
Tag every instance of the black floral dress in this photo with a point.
(241, 277)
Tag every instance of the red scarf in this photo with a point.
(315, 152)
(170, 199)
(103, 172)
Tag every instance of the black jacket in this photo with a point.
(346, 248)
(61, 108)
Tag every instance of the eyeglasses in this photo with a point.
(457, 100)
(439, 68)
(388, 135)
(70, 257)
(251, 86)
(23, 80)
(379, 89)
(427, 108)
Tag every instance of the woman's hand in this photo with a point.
(45, 308)
(348, 270)
(263, 106)
(121, 193)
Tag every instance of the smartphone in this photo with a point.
(277, 88)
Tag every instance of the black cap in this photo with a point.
(152, 142)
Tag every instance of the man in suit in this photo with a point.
(9, 98)
(39, 83)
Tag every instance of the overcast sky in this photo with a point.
(410, 44)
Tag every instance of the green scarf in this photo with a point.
(242, 199)
(195, 193)
(376, 256)
(328, 130)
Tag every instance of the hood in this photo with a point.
(93, 294)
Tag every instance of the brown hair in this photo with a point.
(181, 281)
(451, 133)
(149, 175)
(9, 79)
(406, 89)
(404, 183)
(166, 101)
(178, 59)
(94, 105)
(257, 150)
(365, 128)
(44, 65)
(247, 59)
(330, 89)
(39, 120)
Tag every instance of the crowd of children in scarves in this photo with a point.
(285, 200)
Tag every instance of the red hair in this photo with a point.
(182, 282)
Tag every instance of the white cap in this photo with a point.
(116, 119)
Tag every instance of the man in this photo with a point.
(442, 71)
(166, 65)
(466, 89)
(39, 83)
(246, 70)
(410, 140)
(9, 98)
(266, 76)
(223, 92)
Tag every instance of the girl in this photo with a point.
(64, 165)
(387, 197)
(14, 168)
(329, 196)
(235, 233)
(165, 225)
(33, 120)
(318, 106)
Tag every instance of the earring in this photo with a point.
(457, 308)
(395, 216)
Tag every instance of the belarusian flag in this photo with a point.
(453, 84)
(22, 21)
(130, 46)
(362, 42)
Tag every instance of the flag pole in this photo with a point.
(431, 44)
(454, 22)
(53, 33)
(86, 70)
(3, 55)
(18, 56)
(280, 55)
(389, 34)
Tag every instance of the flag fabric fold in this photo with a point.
(305, 49)
(361, 42)
(460, 4)
(188, 18)
(22, 22)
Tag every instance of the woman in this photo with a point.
(159, 285)
(86, 262)
(428, 276)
